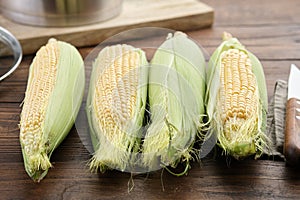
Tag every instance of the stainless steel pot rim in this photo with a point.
(13, 43)
(60, 13)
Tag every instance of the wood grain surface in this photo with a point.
(269, 28)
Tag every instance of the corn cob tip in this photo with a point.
(176, 34)
(37, 166)
(240, 150)
(226, 36)
(179, 33)
(169, 36)
(52, 40)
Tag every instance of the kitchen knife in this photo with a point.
(292, 122)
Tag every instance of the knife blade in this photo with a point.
(292, 122)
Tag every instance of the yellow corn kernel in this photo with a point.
(50, 105)
(234, 73)
(37, 97)
(116, 92)
(116, 105)
(236, 99)
(235, 76)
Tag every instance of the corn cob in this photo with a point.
(116, 105)
(50, 105)
(176, 99)
(236, 99)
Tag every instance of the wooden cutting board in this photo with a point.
(175, 14)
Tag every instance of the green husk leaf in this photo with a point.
(252, 137)
(117, 154)
(176, 91)
(61, 111)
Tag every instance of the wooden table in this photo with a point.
(269, 28)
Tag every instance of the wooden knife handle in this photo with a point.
(292, 132)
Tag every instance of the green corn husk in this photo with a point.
(120, 72)
(176, 98)
(249, 138)
(51, 104)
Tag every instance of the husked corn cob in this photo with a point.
(116, 105)
(238, 93)
(236, 99)
(50, 105)
(176, 99)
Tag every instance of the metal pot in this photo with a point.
(60, 12)
(10, 52)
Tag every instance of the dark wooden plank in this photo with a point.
(255, 12)
(268, 35)
(214, 179)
